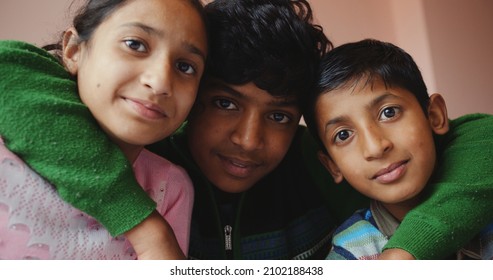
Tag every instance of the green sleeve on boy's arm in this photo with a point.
(44, 122)
(459, 202)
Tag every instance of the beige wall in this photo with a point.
(38, 22)
(451, 40)
(461, 43)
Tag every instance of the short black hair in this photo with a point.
(368, 59)
(272, 43)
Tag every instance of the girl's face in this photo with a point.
(140, 71)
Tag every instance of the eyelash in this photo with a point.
(337, 139)
(218, 101)
(396, 111)
(190, 67)
(130, 42)
(286, 118)
(179, 65)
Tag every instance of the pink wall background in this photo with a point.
(451, 40)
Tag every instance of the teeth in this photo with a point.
(238, 164)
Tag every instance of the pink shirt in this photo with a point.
(36, 224)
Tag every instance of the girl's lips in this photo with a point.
(146, 109)
(236, 167)
(392, 173)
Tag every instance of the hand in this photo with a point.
(395, 254)
(153, 239)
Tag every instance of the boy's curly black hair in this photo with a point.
(272, 43)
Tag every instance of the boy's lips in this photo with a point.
(241, 168)
(391, 173)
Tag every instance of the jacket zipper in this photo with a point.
(228, 243)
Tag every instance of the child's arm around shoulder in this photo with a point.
(44, 122)
(154, 239)
(170, 186)
(396, 254)
(458, 202)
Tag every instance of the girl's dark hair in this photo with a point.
(93, 13)
(272, 43)
(365, 61)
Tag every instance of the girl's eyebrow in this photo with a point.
(154, 32)
(146, 28)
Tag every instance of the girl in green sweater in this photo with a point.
(131, 70)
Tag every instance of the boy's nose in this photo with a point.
(248, 133)
(375, 143)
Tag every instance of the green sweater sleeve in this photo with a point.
(44, 122)
(459, 201)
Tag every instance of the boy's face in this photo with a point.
(239, 134)
(379, 139)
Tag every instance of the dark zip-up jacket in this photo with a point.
(286, 215)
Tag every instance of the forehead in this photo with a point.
(361, 95)
(154, 8)
(173, 15)
(249, 93)
(177, 22)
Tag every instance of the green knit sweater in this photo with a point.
(44, 122)
(460, 194)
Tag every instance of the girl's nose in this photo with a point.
(159, 78)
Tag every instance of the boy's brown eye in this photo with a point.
(342, 135)
(280, 118)
(225, 104)
(185, 68)
(389, 112)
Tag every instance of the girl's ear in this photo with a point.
(437, 114)
(71, 50)
(331, 166)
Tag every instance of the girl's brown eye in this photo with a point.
(135, 45)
